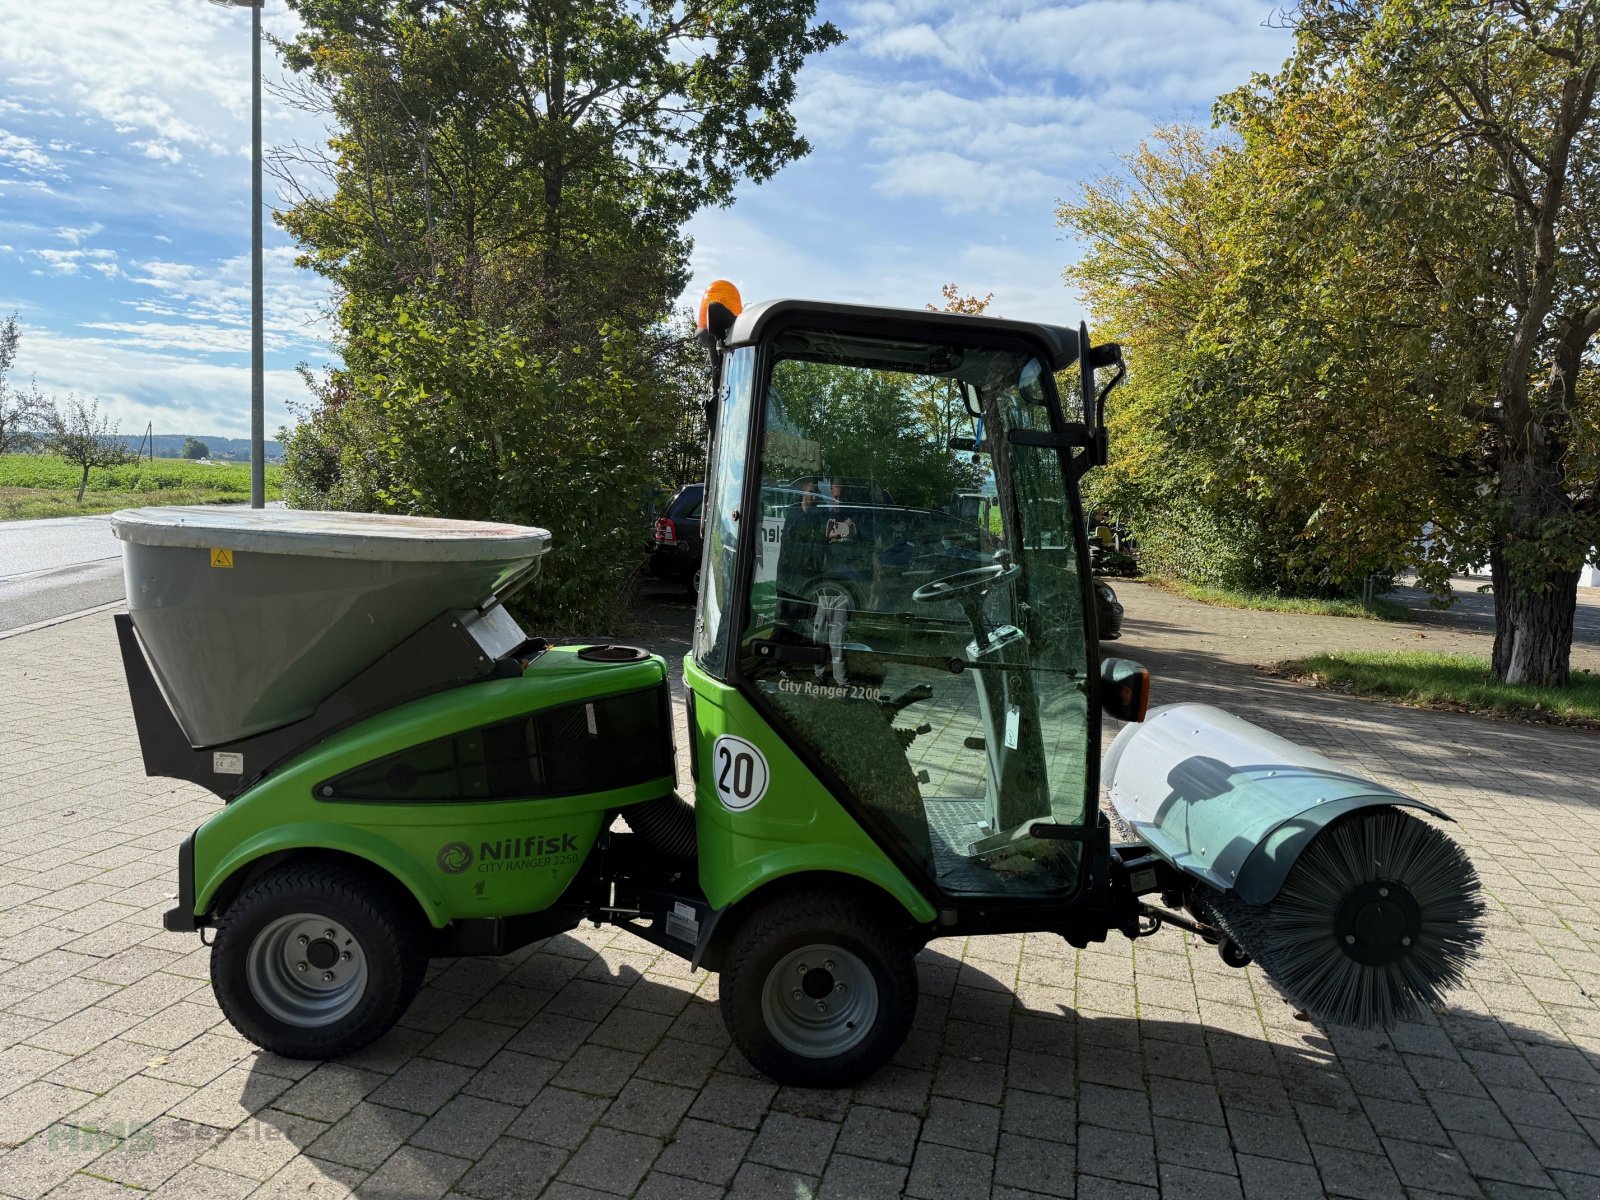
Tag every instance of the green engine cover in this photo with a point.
(427, 794)
(760, 813)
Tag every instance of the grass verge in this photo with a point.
(35, 486)
(1381, 609)
(1448, 682)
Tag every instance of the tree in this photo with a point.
(541, 158)
(510, 181)
(1479, 145)
(21, 412)
(1158, 236)
(79, 433)
(1373, 308)
(195, 448)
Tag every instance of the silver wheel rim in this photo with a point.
(832, 593)
(305, 970)
(819, 1001)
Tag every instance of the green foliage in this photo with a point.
(501, 213)
(1369, 310)
(1454, 682)
(464, 420)
(878, 426)
(1196, 543)
(195, 448)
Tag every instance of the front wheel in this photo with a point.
(818, 990)
(314, 961)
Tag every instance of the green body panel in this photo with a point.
(796, 826)
(491, 858)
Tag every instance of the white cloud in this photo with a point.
(177, 392)
(170, 74)
(1174, 47)
(159, 149)
(967, 105)
(25, 155)
(75, 236)
(961, 185)
(207, 306)
(70, 262)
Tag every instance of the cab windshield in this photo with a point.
(915, 620)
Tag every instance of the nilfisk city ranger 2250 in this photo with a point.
(895, 700)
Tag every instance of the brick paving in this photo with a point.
(592, 1066)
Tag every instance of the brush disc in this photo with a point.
(1377, 920)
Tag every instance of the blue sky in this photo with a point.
(943, 134)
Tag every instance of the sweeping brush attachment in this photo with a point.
(1377, 920)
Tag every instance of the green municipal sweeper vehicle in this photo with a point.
(895, 699)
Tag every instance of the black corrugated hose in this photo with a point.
(665, 824)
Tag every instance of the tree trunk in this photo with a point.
(1533, 628)
(1534, 601)
(83, 483)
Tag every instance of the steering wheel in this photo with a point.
(977, 579)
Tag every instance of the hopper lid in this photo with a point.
(365, 536)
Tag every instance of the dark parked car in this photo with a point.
(1108, 611)
(674, 545)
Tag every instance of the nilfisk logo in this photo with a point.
(510, 853)
(455, 857)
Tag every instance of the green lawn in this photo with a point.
(1453, 682)
(1381, 610)
(42, 485)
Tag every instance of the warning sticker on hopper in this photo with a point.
(221, 558)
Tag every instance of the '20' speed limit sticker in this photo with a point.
(739, 772)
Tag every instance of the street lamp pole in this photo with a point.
(258, 468)
(258, 478)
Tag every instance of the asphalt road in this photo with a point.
(52, 568)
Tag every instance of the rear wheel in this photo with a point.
(316, 960)
(833, 592)
(818, 990)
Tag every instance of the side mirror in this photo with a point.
(1124, 689)
(1090, 358)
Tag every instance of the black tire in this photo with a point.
(789, 925)
(373, 921)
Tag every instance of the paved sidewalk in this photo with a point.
(591, 1066)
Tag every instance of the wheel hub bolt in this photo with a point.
(839, 988)
(822, 1006)
(1383, 891)
(303, 939)
(300, 966)
(329, 934)
(1349, 939)
(1405, 941)
(828, 966)
(797, 993)
(802, 968)
(345, 955)
(327, 977)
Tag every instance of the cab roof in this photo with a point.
(1060, 341)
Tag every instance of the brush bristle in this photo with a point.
(1293, 939)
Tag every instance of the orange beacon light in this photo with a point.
(718, 307)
